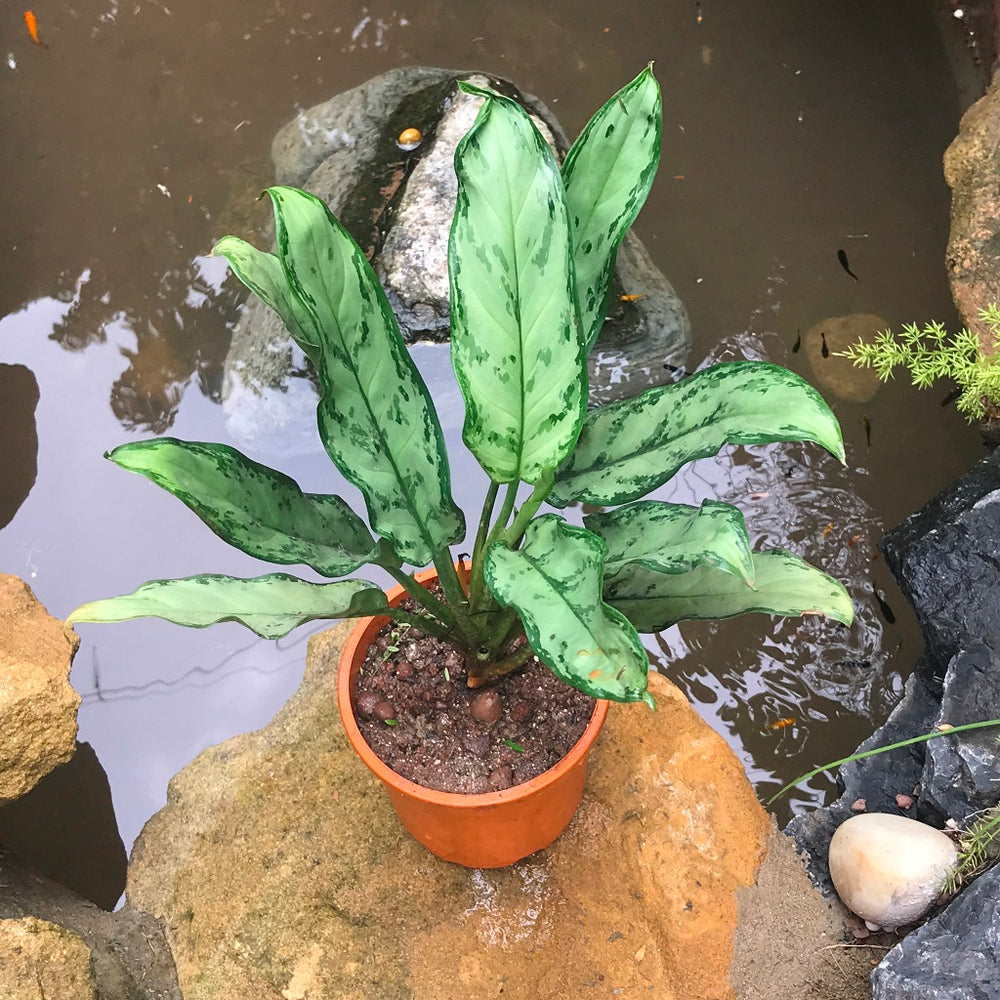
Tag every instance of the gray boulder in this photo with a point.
(945, 559)
(962, 772)
(954, 956)
(398, 205)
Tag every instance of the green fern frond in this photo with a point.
(929, 354)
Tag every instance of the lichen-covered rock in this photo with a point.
(127, 953)
(970, 168)
(37, 705)
(42, 961)
(282, 872)
(889, 870)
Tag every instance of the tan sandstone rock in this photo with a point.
(281, 871)
(37, 705)
(41, 961)
(970, 168)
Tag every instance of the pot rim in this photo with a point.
(459, 800)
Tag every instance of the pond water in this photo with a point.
(141, 133)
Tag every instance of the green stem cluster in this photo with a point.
(469, 611)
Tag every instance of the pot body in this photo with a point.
(488, 830)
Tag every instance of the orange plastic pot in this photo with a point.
(487, 830)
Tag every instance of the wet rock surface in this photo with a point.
(956, 956)
(839, 376)
(37, 705)
(944, 558)
(398, 206)
(281, 871)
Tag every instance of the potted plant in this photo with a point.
(531, 254)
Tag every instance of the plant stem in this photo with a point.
(458, 601)
(498, 668)
(422, 622)
(514, 534)
(434, 607)
(500, 634)
(476, 584)
(871, 753)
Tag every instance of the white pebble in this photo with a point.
(889, 869)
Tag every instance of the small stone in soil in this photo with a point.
(501, 777)
(476, 743)
(486, 707)
(383, 710)
(367, 700)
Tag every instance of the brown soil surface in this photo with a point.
(417, 714)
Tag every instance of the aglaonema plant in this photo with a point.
(531, 254)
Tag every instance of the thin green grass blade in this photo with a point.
(878, 750)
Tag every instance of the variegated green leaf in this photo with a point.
(673, 538)
(554, 582)
(630, 447)
(783, 585)
(270, 605)
(608, 173)
(514, 336)
(261, 272)
(375, 414)
(258, 510)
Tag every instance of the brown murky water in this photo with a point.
(141, 133)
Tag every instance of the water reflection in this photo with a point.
(18, 438)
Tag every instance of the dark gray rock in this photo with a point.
(946, 558)
(954, 956)
(877, 779)
(398, 207)
(962, 772)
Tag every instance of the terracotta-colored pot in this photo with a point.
(487, 830)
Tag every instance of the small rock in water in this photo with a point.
(889, 869)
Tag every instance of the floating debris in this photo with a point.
(409, 139)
